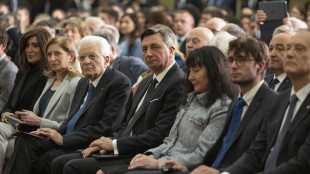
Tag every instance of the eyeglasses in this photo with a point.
(240, 61)
(91, 56)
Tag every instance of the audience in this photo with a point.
(152, 112)
(28, 85)
(99, 106)
(247, 61)
(201, 116)
(104, 118)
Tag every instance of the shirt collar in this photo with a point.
(161, 75)
(248, 97)
(182, 38)
(302, 93)
(3, 56)
(281, 77)
(95, 82)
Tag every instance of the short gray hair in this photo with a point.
(102, 43)
(113, 29)
(165, 32)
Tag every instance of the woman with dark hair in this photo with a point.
(130, 43)
(201, 116)
(29, 81)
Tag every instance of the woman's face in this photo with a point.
(58, 59)
(127, 25)
(32, 50)
(72, 32)
(198, 76)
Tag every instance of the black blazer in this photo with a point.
(104, 112)
(247, 130)
(286, 83)
(294, 154)
(132, 67)
(156, 116)
(25, 96)
(183, 47)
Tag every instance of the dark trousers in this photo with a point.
(32, 155)
(75, 163)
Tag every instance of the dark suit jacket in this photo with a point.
(104, 112)
(132, 67)
(156, 115)
(24, 96)
(294, 153)
(246, 132)
(286, 84)
(183, 47)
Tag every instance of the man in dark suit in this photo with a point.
(283, 143)
(278, 81)
(247, 72)
(98, 109)
(152, 112)
(183, 23)
(131, 66)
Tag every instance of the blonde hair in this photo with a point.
(68, 46)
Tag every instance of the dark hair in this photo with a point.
(48, 22)
(135, 33)
(42, 36)
(215, 62)
(112, 14)
(192, 10)
(157, 17)
(3, 35)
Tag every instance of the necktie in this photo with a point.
(72, 122)
(273, 83)
(273, 155)
(233, 126)
(136, 116)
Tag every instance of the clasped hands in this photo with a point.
(103, 145)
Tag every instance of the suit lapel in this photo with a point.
(284, 83)
(57, 95)
(81, 91)
(301, 114)
(48, 85)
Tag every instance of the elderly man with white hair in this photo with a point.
(98, 109)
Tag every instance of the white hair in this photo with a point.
(113, 29)
(221, 41)
(96, 19)
(298, 24)
(102, 43)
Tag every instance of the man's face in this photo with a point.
(72, 32)
(183, 23)
(157, 55)
(92, 62)
(244, 74)
(196, 39)
(2, 48)
(277, 51)
(297, 61)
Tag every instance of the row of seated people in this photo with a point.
(204, 122)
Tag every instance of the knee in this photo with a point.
(70, 167)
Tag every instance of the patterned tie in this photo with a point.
(233, 126)
(72, 122)
(273, 83)
(272, 158)
(135, 117)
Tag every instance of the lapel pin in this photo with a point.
(308, 107)
(101, 89)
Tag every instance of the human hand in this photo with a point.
(29, 118)
(51, 134)
(4, 114)
(260, 17)
(205, 169)
(89, 151)
(143, 161)
(287, 20)
(175, 165)
(104, 143)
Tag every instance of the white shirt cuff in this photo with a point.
(225, 173)
(114, 143)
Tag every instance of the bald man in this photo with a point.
(215, 25)
(198, 38)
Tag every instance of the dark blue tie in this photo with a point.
(233, 126)
(72, 122)
(273, 83)
(273, 155)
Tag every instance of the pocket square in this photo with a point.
(154, 100)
